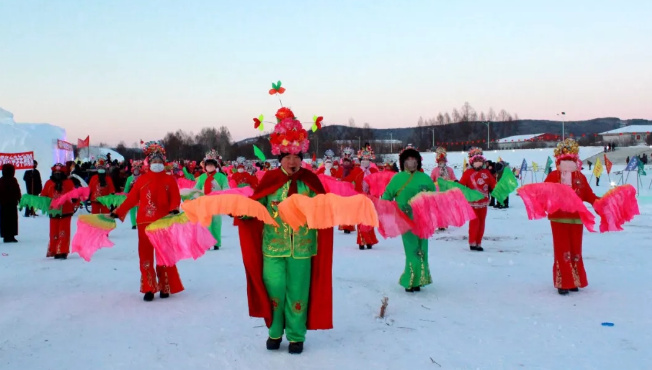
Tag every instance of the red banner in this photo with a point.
(83, 143)
(64, 145)
(607, 164)
(22, 161)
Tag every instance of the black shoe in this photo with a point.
(347, 232)
(216, 247)
(57, 256)
(133, 228)
(295, 348)
(273, 344)
(149, 296)
(562, 291)
(369, 246)
(61, 256)
(164, 295)
(476, 248)
(574, 290)
(361, 247)
(409, 290)
(64, 256)
(417, 288)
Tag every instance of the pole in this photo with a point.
(391, 139)
(488, 123)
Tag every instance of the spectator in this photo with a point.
(33, 185)
(590, 164)
(9, 198)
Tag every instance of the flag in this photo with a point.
(548, 166)
(259, 154)
(535, 166)
(83, 143)
(464, 165)
(500, 159)
(641, 168)
(505, 186)
(597, 169)
(523, 166)
(607, 164)
(632, 165)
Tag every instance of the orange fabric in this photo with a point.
(202, 209)
(327, 210)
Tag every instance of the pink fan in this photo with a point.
(92, 234)
(616, 207)
(378, 182)
(433, 210)
(544, 198)
(246, 191)
(392, 221)
(184, 183)
(341, 188)
(79, 193)
(175, 238)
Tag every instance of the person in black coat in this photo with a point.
(33, 185)
(9, 199)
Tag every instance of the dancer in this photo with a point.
(296, 266)
(327, 168)
(480, 179)
(136, 168)
(208, 182)
(100, 185)
(568, 272)
(350, 173)
(156, 194)
(442, 170)
(402, 188)
(366, 235)
(58, 185)
(9, 199)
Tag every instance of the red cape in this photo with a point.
(320, 306)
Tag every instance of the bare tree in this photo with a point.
(503, 116)
(456, 116)
(440, 119)
(482, 117)
(467, 113)
(420, 122)
(351, 122)
(447, 118)
(516, 117)
(491, 115)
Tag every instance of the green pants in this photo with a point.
(287, 281)
(417, 272)
(132, 216)
(216, 229)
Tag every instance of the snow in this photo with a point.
(492, 310)
(629, 130)
(518, 138)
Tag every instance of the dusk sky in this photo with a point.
(130, 70)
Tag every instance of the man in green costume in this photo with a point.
(136, 168)
(208, 182)
(288, 272)
(403, 187)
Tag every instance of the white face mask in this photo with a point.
(365, 163)
(156, 167)
(567, 166)
(328, 165)
(240, 170)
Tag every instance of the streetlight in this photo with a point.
(563, 129)
(487, 123)
(359, 146)
(433, 137)
(391, 139)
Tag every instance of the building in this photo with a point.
(626, 136)
(528, 141)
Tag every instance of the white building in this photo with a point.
(628, 135)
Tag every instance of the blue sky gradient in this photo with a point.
(126, 70)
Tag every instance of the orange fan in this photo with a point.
(202, 209)
(327, 210)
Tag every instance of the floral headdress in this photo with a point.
(289, 136)
(60, 167)
(240, 162)
(475, 155)
(348, 153)
(366, 153)
(212, 154)
(441, 154)
(136, 164)
(154, 149)
(568, 150)
(101, 161)
(329, 155)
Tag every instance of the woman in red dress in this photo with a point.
(480, 179)
(58, 185)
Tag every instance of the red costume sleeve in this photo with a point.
(110, 186)
(132, 200)
(173, 193)
(92, 185)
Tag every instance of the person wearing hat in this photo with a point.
(156, 194)
(349, 172)
(58, 185)
(568, 274)
(208, 182)
(480, 179)
(327, 168)
(136, 168)
(404, 186)
(100, 185)
(366, 235)
(289, 281)
(9, 199)
(442, 170)
(243, 178)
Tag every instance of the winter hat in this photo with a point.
(568, 150)
(408, 152)
(441, 154)
(154, 150)
(475, 155)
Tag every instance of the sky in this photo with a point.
(125, 70)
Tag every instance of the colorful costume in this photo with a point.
(289, 281)
(403, 187)
(208, 183)
(100, 185)
(483, 181)
(350, 173)
(568, 268)
(156, 194)
(442, 170)
(366, 234)
(56, 186)
(136, 168)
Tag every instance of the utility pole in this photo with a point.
(487, 123)
(391, 141)
(563, 124)
(433, 137)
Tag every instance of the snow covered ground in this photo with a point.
(492, 310)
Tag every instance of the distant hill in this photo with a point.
(455, 136)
